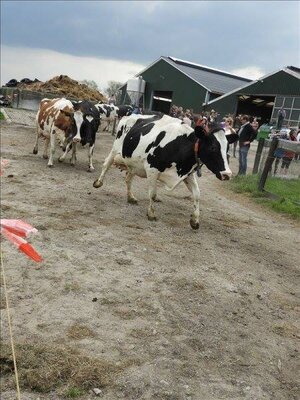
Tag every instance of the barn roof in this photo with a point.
(214, 80)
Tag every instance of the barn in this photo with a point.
(264, 97)
(173, 81)
(170, 80)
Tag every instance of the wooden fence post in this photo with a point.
(268, 164)
(259, 150)
(114, 127)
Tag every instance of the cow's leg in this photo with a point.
(106, 165)
(130, 197)
(91, 151)
(152, 182)
(35, 149)
(46, 145)
(192, 185)
(106, 126)
(73, 157)
(63, 156)
(52, 147)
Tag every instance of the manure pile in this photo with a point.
(64, 86)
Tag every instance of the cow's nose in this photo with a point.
(226, 175)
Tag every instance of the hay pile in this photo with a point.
(64, 86)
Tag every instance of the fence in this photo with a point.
(27, 99)
(265, 156)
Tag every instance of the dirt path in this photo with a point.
(181, 314)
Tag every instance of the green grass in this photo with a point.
(1, 116)
(73, 392)
(287, 190)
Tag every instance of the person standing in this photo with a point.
(237, 124)
(288, 155)
(187, 119)
(112, 100)
(229, 130)
(246, 135)
(280, 118)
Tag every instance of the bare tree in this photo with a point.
(112, 88)
(91, 84)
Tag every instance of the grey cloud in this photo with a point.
(220, 34)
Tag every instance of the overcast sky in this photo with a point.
(114, 40)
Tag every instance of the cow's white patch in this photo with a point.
(78, 117)
(89, 118)
(221, 138)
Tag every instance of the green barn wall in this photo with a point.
(279, 83)
(276, 84)
(162, 76)
(227, 105)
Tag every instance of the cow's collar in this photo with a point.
(198, 161)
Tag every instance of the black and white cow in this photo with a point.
(162, 148)
(87, 133)
(108, 114)
(124, 111)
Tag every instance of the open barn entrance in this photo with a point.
(161, 101)
(256, 106)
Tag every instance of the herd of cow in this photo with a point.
(155, 146)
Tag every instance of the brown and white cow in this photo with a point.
(57, 120)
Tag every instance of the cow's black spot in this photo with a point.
(179, 151)
(120, 132)
(141, 128)
(159, 138)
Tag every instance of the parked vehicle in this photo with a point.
(5, 101)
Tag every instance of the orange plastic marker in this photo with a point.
(18, 227)
(22, 245)
(4, 163)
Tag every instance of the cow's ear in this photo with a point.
(67, 113)
(233, 137)
(76, 105)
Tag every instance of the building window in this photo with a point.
(291, 106)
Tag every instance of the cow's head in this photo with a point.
(87, 122)
(75, 122)
(212, 150)
(89, 128)
(65, 120)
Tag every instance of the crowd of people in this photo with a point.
(243, 126)
(246, 128)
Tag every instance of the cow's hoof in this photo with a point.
(60, 160)
(50, 165)
(72, 164)
(132, 200)
(90, 169)
(35, 151)
(151, 217)
(45, 156)
(157, 200)
(97, 184)
(194, 225)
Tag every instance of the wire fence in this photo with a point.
(276, 158)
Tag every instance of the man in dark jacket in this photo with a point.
(246, 135)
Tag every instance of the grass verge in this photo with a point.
(1, 116)
(287, 191)
(44, 368)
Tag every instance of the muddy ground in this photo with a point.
(177, 314)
